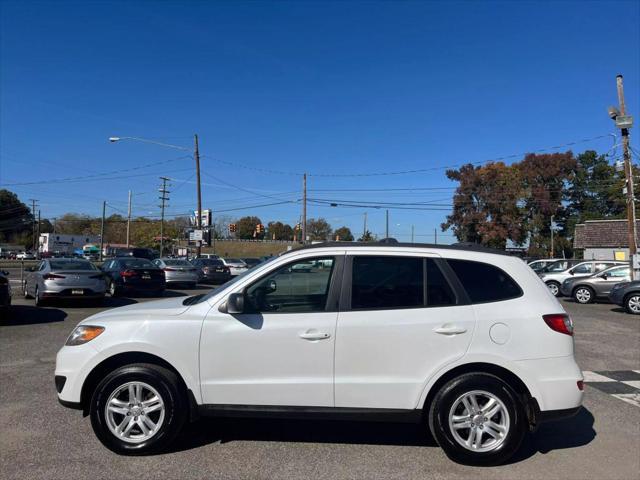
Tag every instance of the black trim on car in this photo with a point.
(60, 381)
(464, 247)
(72, 405)
(309, 413)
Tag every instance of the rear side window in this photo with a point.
(483, 282)
(387, 282)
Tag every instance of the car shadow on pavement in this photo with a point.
(620, 310)
(558, 435)
(31, 315)
(113, 302)
(224, 430)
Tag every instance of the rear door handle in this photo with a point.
(450, 330)
(315, 335)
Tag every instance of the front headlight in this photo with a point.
(83, 334)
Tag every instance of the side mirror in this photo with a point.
(272, 286)
(571, 272)
(235, 303)
(604, 276)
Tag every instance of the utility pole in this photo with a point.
(435, 236)
(304, 208)
(364, 230)
(196, 154)
(551, 227)
(163, 199)
(624, 123)
(55, 221)
(129, 219)
(33, 212)
(387, 222)
(412, 233)
(104, 209)
(38, 237)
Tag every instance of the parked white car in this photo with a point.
(236, 266)
(25, 256)
(470, 341)
(553, 280)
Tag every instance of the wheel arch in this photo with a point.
(119, 360)
(506, 375)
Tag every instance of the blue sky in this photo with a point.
(322, 87)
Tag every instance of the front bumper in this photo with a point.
(616, 296)
(74, 365)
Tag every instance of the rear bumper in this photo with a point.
(67, 295)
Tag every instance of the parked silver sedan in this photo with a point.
(64, 278)
(177, 270)
(597, 286)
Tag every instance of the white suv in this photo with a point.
(469, 342)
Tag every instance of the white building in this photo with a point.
(55, 242)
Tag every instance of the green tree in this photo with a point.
(246, 227)
(367, 237)
(344, 234)
(279, 231)
(318, 229)
(16, 220)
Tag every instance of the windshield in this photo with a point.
(212, 262)
(71, 265)
(559, 266)
(230, 282)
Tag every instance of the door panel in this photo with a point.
(383, 358)
(281, 351)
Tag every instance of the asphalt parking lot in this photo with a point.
(41, 439)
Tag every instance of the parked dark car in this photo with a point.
(5, 294)
(627, 295)
(137, 253)
(212, 270)
(252, 262)
(126, 275)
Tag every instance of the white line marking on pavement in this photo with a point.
(632, 383)
(632, 398)
(594, 377)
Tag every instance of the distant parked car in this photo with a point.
(212, 270)
(208, 255)
(597, 286)
(236, 266)
(252, 262)
(128, 275)
(178, 271)
(5, 294)
(553, 280)
(147, 253)
(25, 256)
(538, 265)
(627, 295)
(64, 279)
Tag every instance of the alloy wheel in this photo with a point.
(633, 304)
(479, 421)
(583, 295)
(134, 412)
(553, 287)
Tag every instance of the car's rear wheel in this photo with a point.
(39, 301)
(138, 409)
(632, 303)
(477, 419)
(554, 288)
(583, 295)
(25, 291)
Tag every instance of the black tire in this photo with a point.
(25, 292)
(629, 299)
(168, 387)
(443, 403)
(583, 294)
(39, 302)
(114, 291)
(554, 288)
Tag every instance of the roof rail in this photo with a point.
(465, 246)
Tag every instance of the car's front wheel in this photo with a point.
(583, 295)
(554, 288)
(477, 419)
(138, 409)
(632, 303)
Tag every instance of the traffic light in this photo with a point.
(297, 227)
(232, 227)
(259, 228)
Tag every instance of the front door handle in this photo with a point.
(447, 329)
(315, 335)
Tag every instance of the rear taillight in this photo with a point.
(128, 273)
(52, 276)
(559, 322)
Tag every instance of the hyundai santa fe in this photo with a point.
(466, 342)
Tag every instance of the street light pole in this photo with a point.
(196, 154)
(129, 219)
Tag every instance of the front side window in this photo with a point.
(299, 287)
(619, 272)
(484, 282)
(387, 282)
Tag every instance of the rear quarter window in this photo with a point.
(484, 282)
